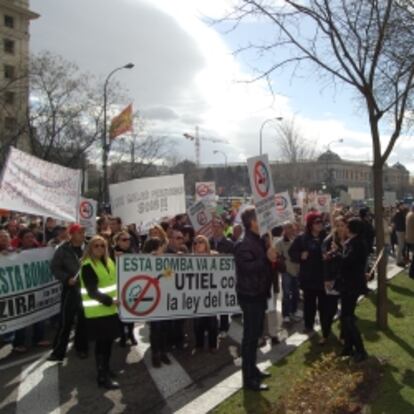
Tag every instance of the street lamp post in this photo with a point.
(224, 155)
(106, 145)
(279, 118)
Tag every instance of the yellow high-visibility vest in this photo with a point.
(106, 284)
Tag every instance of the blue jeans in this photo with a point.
(290, 298)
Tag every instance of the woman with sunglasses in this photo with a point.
(122, 245)
(306, 250)
(98, 290)
(201, 246)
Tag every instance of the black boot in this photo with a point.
(104, 379)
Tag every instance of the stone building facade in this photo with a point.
(334, 173)
(15, 17)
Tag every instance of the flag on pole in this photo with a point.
(121, 123)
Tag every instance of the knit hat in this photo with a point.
(311, 218)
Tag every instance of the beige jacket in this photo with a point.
(282, 248)
(409, 227)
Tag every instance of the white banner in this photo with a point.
(176, 286)
(344, 198)
(263, 192)
(201, 218)
(28, 291)
(357, 193)
(87, 215)
(390, 198)
(31, 185)
(284, 208)
(147, 199)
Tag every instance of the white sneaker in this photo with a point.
(286, 319)
(222, 335)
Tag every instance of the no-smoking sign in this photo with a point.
(281, 203)
(141, 295)
(86, 210)
(202, 218)
(203, 190)
(261, 179)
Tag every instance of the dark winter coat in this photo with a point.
(253, 269)
(311, 270)
(66, 262)
(353, 264)
(223, 246)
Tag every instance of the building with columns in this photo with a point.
(15, 17)
(332, 172)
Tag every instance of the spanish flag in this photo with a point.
(121, 123)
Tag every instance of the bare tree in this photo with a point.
(368, 46)
(139, 156)
(292, 145)
(66, 109)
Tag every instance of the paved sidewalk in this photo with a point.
(191, 384)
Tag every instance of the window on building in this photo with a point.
(9, 21)
(9, 98)
(9, 72)
(8, 46)
(10, 123)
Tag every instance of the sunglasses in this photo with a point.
(99, 246)
(125, 239)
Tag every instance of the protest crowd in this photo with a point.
(317, 262)
(187, 271)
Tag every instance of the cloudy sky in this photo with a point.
(185, 75)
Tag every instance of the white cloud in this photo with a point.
(185, 74)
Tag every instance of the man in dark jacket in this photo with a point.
(221, 244)
(65, 267)
(253, 281)
(353, 284)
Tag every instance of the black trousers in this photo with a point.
(331, 306)
(224, 323)
(130, 330)
(71, 309)
(103, 350)
(203, 324)
(253, 319)
(159, 332)
(316, 300)
(176, 333)
(352, 336)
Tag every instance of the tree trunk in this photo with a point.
(382, 305)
